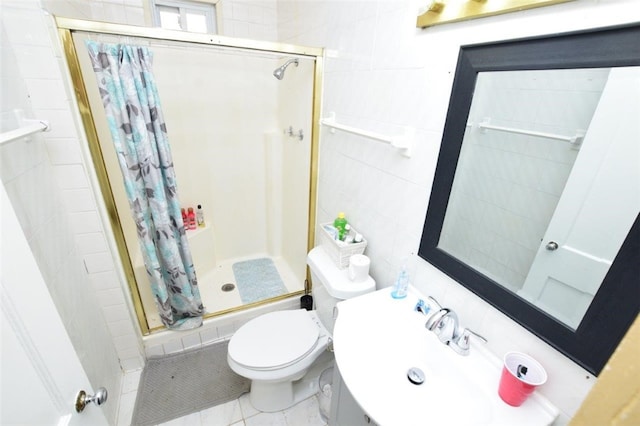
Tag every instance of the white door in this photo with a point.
(597, 208)
(40, 373)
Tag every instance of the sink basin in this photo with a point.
(377, 339)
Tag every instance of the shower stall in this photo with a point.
(243, 136)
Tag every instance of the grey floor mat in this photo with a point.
(175, 385)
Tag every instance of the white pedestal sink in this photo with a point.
(377, 339)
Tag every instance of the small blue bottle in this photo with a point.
(401, 285)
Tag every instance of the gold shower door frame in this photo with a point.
(66, 28)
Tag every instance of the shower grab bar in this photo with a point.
(403, 142)
(28, 127)
(574, 140)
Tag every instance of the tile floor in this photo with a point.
(238, 412)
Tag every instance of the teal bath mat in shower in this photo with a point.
(258, 279)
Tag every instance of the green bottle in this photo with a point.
(340, 224)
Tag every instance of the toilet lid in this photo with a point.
(274, 340)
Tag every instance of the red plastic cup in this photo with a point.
(515, 390)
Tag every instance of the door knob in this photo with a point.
(551, 246)
(83, 399)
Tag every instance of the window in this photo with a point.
(185, 15)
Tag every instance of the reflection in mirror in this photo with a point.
(525, 131)
(536, 197)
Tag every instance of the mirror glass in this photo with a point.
(536, 196)
(534, 137)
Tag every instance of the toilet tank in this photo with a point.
(331, 285)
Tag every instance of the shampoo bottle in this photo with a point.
(200, 216)
(401, 285)
(191, 219)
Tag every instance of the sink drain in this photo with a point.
(415, 376)
(228, 287)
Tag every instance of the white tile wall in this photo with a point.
(254, 19)
(91, 243)
(86, 222)
(78, 200)
(64, 151)
(36, 186)
(129, 394)
(99, 262)
(191, 341)
(70, 176)
(381, 72)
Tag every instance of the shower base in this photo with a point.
(215, 298)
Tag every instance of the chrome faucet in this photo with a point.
(444, 323)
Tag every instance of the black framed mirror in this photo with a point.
(585, 321)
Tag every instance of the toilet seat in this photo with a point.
(274, 340)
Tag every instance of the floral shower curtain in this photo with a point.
(130, 98)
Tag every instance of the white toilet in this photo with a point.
(277, 349)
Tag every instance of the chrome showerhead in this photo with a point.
(279, 72)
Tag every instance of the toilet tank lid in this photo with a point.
(334, 279)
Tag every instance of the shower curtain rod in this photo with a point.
(176, 35)
(182, 45)
(222, 50)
